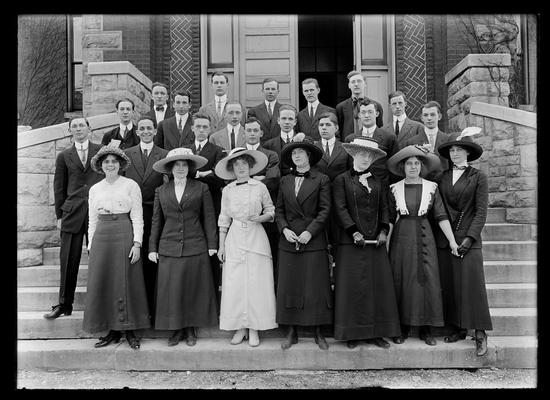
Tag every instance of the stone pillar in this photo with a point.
(478, 77)
(114, 80)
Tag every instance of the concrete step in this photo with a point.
(218, 354)
(31, 325)
(43, 298)
(496, 215)
(510, 271)
(50, 256)
(525, 250)
(504, 231)
(47, 275)
(512, 295)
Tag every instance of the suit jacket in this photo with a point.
(186, 228)
(168, 136)
(276, 144)
(409, 129)
(346, 120)
(272, 173)
(311, 126)
(466, 205)
(422, 138)
(270, 126)
(167, 114)
(71, 184)
(146, 177)
(218, 123)
(309, 210)
(130, 140)
(221, 138)
(338, 162)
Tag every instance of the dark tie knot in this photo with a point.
(242, 183)
(160, 108)
(460, 168)
(300, 174)
(358, 173)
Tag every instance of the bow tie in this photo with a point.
(242, 183)
(356, 100)
(460, 168)
(357, 173)
(304, 174)
(160, 108)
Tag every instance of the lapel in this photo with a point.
(438, 141)
(308, 186)
(325, 158)
(355, 181)
(336, 150)
(461, 184)
(135, 157)
(222, 136)
(186, 130)
(76, 159)
(153, 157)
(186, 191)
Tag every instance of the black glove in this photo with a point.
(465, 245)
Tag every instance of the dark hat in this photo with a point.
(430, 161)
(260, 159)
(315, 152)
(462, 139)
(96, 160)
(179, 153)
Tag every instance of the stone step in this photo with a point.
(47, 275)
(510, 271)
(512, 294)
(50, 256)
(496, 215)
(525, 250)
(507, 232)
(42, 298)
(31, 325)
(217, 354)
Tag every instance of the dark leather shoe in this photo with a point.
(379, 342)
(320, 340)
(176, 337)
(112, 337)
(425, 334)
(191, 338)
(455, 336)
(481, 344)
(352, 344)
(291, 338)
(58, 310)
(132, 340)
(398, 339)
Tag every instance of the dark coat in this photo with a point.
(272, 172)
(71, 184)
(168, 136)
(410, 129)
(146, 177)
(310, 127)
(167, 114)
(276, 144)
(270, 126)
(338, 162)
(346, 120)
(308, 211)
(130, 140)
(186, 228)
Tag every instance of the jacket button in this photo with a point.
(181, 241)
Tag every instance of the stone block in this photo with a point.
(528, 154)
(35, 218)
(38, 239)
(486, 142)
(92, 22)
(36, 165)
(63, 144)
(526, 135)
(102, 83)
(51, 196)
(108, 97)
(513, 171)
(32, 189)
(497, 184)
(111, 40)
(480, 89)
(92, 55)
(502, 199)
(453, 111)
(137, 89)
(497, 171)
(500, 130)
(467, 104)
(477, 60)
(523, 183)
(521, 215)
(29, 257)
(42, 150)
(526, 198)
(504, 147)
(476, 120)
(123, 81)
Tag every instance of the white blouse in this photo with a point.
(122, 196)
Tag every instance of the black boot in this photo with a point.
(481, 342)
(404, 335)
(425, 334)
(176, 337)
(112, 337)
(58, 310)
(191, 338)
(132, 340)
(291, 338)
(319, 339)
(458, 334)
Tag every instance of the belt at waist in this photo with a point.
(244, 223)
(412, 216)
(109, 217)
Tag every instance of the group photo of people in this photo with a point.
(338, 222)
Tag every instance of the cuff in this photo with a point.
(352, 229)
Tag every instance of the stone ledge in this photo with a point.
(119, 67)
(507, 114)
(478, 60)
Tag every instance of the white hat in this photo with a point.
(259, 158)
(360, 144)
(179, 153)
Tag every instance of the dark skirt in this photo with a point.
(464, 292)
(304, 296)
(185, 293)
(415, 269)
(365, 305)
(115, 297)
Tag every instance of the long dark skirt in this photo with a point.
(304, 296)
(365, 305)
(464, 293)
(116, 297)
(185, 293)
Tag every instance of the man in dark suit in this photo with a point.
(125, 134)
(287, 121)
(335, 159)
(347, 111)
(386, 140)
(142, 157)
(402, 126)
(268, 111)
(176, 131)
(213, 153)
(72, 181)
(308, 118)
(431, 135)
(161, 110)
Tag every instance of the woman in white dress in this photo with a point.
(248, 294)
(115, 298)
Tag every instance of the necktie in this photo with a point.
(242, 183)
(144, 156)
(327, 150)
(396, 128)
(432, 142)
(232, 138)
(199, 148)
(311, 112)
(180, 128)
(269, 112)
(160, 108)
(219, 108)
(126, 130)
(82, 152)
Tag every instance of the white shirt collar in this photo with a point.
(123, 127)
(369, 131)
(315, 104)
(180, 182)
(223, 98)
(401, 118)
(253, 147)
(431, 131)
(197, 143)
(148, 146)
(82, 146)
(330, 141)
(229, 127)
(182, 117)
(272, 103)
(289, 134)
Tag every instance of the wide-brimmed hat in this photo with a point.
(360, 144)
(259, 158)
(315, 152)
(430, 161)
(462, 139)
(179, 153)
(97, 159)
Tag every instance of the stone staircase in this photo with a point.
(510, 252)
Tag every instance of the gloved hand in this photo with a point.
(465, 245)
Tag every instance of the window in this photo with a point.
(220, 41)
(74, 51)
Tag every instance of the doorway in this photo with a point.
(325, 52)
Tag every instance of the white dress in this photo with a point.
(248, 293)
